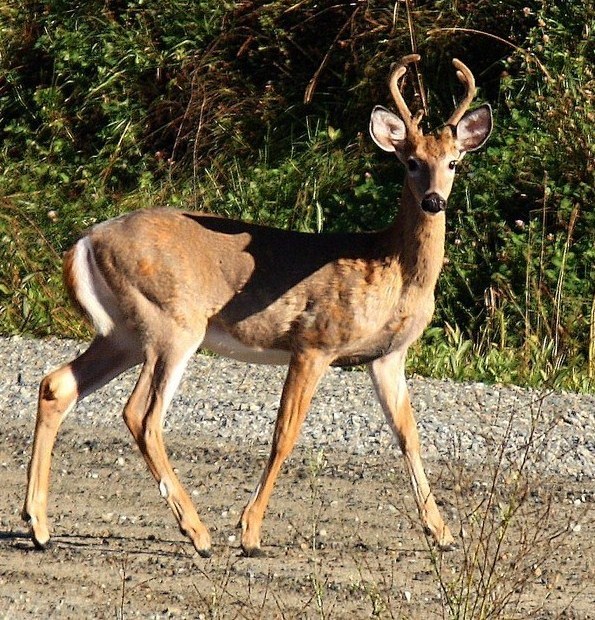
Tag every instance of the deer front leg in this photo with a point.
(305, 371)
(388, 376)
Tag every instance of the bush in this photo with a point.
(259, 110)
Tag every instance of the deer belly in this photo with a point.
(221, 342)
(398, 334)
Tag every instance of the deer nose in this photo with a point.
(433, 203)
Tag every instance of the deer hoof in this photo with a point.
(253, 552)
(205, 553)
(40, 545)
(448, 545)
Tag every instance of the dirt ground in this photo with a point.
(342, 538)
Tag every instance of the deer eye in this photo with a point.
(452, 164)
(412, 165)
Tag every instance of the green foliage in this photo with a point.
(259, 111)
(31, 298)
(316, 186)
(523, 240)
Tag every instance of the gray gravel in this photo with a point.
(235, 402)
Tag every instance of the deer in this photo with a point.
(159, 284)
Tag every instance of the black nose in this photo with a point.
(433, 203)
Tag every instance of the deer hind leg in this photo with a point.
(388, 376)
(58, 393)
(305, 371)
(143, 414)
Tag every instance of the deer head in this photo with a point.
(430, 160)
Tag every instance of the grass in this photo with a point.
(446, 353)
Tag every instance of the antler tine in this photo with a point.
(466, 77)
(410, 121)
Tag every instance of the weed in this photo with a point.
(506, 538)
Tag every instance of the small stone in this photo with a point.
(537, 570)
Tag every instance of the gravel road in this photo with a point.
(237, 402)
(350, 526)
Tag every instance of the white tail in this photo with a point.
(159, 284)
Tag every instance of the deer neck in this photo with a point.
(418, 241)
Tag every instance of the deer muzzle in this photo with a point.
(433, 203)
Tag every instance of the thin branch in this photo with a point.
(528, 55)
(309, 92)
(420, 85)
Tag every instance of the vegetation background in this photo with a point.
(259, 110)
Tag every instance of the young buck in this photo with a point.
(161, 283)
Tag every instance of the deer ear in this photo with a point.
(386, 129)
(474, 128)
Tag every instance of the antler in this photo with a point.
(411, 122)
(466, 77)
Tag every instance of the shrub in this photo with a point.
(259, 111)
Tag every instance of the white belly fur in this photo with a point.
(221, 342)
